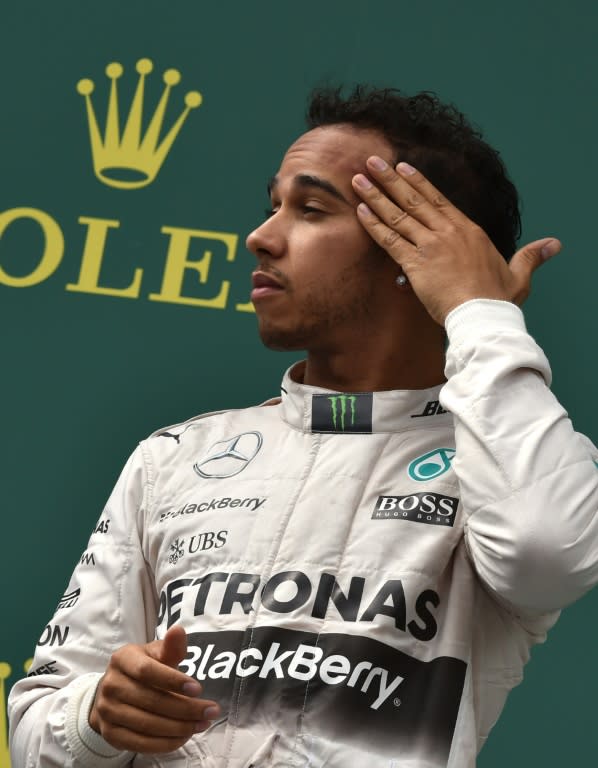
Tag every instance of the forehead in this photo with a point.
(335, 152)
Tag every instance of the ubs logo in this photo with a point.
(229, 457)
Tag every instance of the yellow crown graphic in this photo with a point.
(5, 671)
(130, 160)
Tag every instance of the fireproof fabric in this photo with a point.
(361, 575)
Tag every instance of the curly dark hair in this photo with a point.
(440, 142)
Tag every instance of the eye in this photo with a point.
(269, 212)
(310, 209)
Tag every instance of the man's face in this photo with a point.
(320, 278)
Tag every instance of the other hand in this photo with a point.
(447, 258)
(144, 704)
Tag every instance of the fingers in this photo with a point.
(144, 704)
(135, 693)
(526, 261)
(173, 648)
(152, 673)
(388, 213)
(151, 714)
(387, 238)
(405, 200)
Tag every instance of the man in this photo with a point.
(352, 574)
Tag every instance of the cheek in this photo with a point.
(334, 246)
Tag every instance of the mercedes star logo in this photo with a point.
(229, 457)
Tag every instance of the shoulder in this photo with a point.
(205, 431)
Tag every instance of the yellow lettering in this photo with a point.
(245, 307)
(53, 247)
(177, 263)
(91, 263)
(5, 671)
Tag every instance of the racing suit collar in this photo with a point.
(315, 409)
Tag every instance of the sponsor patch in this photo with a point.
(229, 457)
(54, 634)
(336, 687)
(425, 507)
(69, 599)
(225, 502)
(46, 669)
(342, 413)
(199, 542)
(431, 464)
(431, 408)
(353, 600)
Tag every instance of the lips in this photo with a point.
(264, 280)
(265, 285)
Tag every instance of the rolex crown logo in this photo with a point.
(130, 160)
(5, 671)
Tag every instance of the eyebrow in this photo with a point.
(306, 181)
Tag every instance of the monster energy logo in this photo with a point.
(343, 400)
(342, 413)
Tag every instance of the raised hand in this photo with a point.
(447, 258)
(144, 704)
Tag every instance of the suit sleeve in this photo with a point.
(529, 482)
(96, 615)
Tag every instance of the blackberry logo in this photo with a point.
(304, 663)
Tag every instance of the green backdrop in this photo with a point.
(87, 370)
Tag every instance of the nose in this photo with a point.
(267, 240)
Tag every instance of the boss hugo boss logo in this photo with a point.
(229, 457)
(431, 464)
(424, 507)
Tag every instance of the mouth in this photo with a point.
(264, 285)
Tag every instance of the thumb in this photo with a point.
(527, 260)
(173, 648)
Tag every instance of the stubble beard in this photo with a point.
(327, 314)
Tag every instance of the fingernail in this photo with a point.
(192, 689)
(364, 210)
(378, 163)
(362, 181)
(550, 249)
(406, 169)
(211, 713)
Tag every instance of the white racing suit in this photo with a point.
(360, 575)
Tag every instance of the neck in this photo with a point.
(400, 361)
